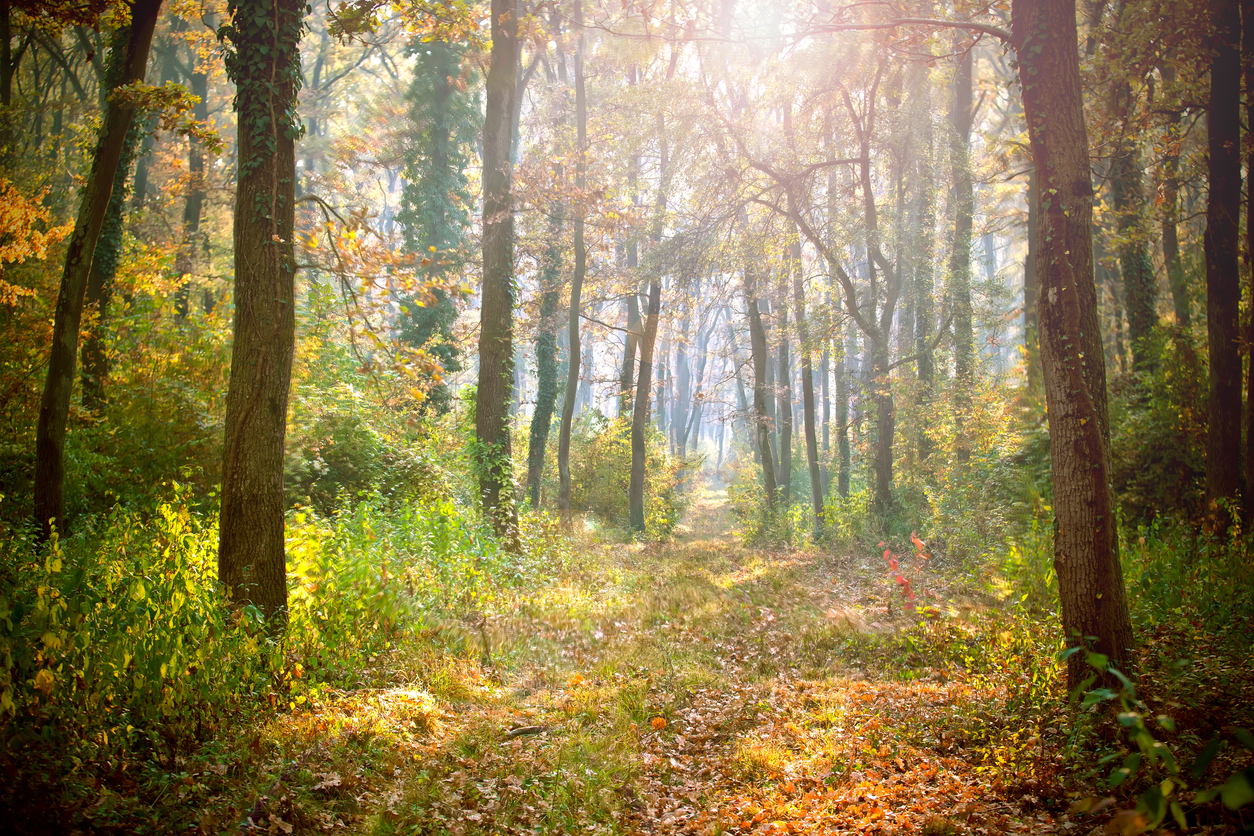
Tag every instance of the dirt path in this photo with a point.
(695, 687)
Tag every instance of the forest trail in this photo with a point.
(692, 687)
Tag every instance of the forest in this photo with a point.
(627, 417)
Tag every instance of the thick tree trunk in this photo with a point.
(960, 254)
(576, 281)
(1223, 280)
(1086, 546)
(54, 406)
(640, 417)
(266, 70)
(1247, 71)
(496, 312)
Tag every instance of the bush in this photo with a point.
(600, 474)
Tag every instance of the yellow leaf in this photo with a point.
(44, 680)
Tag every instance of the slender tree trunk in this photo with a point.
(640, 417)
(266, 69)
(1086, 546)
(546, 358)
(960, 254)
(761, 397)
(925, 365)
(496, 312)
(626, 384)
(576, 282)
(1223, 279)
(54, 406)
(683, 394)
(185, 258)
(807, 390)
(1176, 278)
(1139, 286)
(104, 266)
(783, 391)
(825, 371)
(1030, 292)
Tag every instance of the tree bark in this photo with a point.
(640, 417)
(1086, 546)
(1140, 290)
(960, 254)
(546, 359)
(266, 69)
(54, 406)
(626, 382)
(1030, 291)
(1221, 245)
(576, 282)
(783, 391)
(184, 260)
(496, 312)
(1176, 278)
(807, 389)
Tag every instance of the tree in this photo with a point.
(576, 281)
(496, 312)
(960, 254)
(264, 63)
(1223, 280)
(436, 213)
(1086, 544)
(127, 63)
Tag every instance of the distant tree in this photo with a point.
(436, 200)
(264, 63)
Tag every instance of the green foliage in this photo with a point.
(1148, 765)
(600, 474)
(1158, 436)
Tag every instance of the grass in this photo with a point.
(691, 687)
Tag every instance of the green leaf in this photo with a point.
(1130, 765)
(1205, 757)
(1247, 739)
(1238, 790)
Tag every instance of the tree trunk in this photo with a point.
(825, 371)
(104, 266)
(1223, 280)
(496, 312)
(626, 384)
(1031, 291)
(1176, 278)
(54, 406)
(783, 390)
(576, 282)
(1086, 546)
(185, 259)
(1140, 290)
(761, 397)
(265, 66)
(807, 390)
(640, 417)
(546, 359)
(960, 255)
(1247, 70)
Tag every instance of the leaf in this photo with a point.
(1238, 790)
(1247, 739)
(658, 723)
(1205, 757)
(44, 681)
(1092, 804)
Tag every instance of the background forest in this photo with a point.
(372, 369)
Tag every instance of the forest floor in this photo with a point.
(692, 687)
